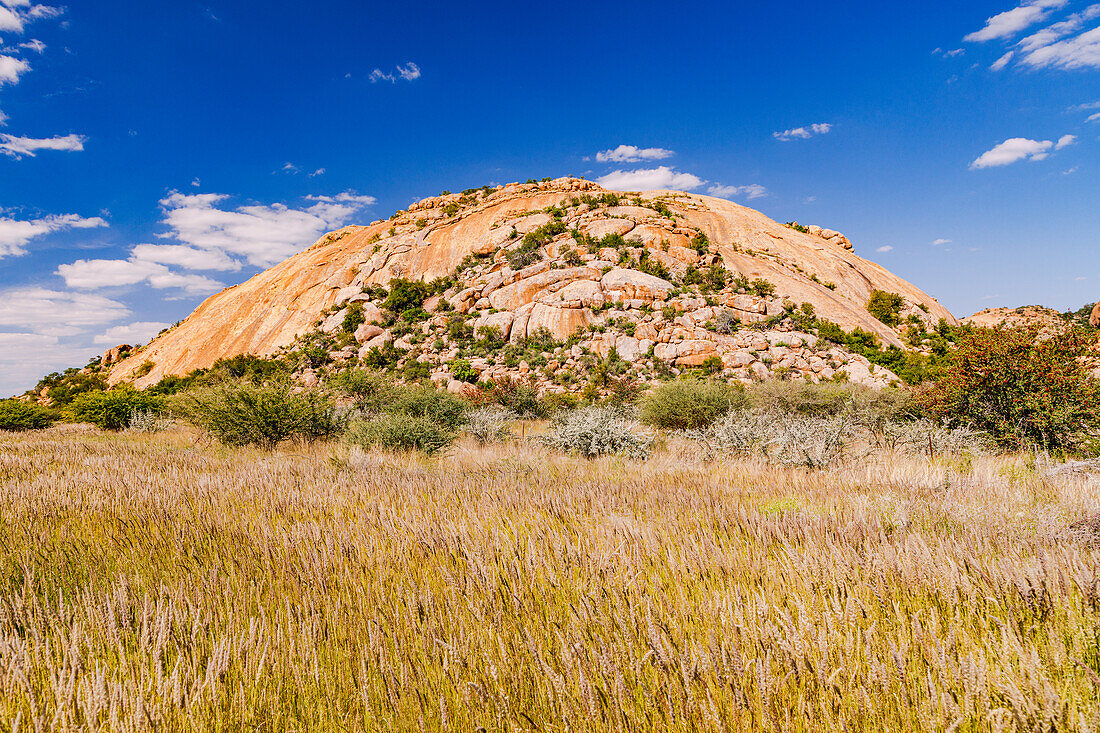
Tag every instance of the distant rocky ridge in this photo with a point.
(663, 276)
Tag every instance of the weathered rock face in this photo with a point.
(1094, 317)
(593, 280)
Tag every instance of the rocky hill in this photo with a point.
(1028, 315)
(666, 279)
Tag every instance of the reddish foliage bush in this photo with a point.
(1023, 388)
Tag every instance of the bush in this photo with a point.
(463, 371)
(490, 424)
(690, 403)
(1021, 388)
(762, 288)
(243, 413)
(111, 409)
(402, 432)
(406, 295)
(924, 437)
(148, 421)
(823, 400)
(784, 439)
(437, 405)
(596, 431)
(517, 396)
(371, 391)
(19, 415)
(886, 306)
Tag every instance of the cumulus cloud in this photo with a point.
(212, 236)
(941, 240)
(11, 69)
(1065, 141)
(1014, 149)
(15, 233)
(408, 72)
(42, 317)
(803, 133)
(16, 14)
(649, 179)
(1013, 21)
(261, 235)
(56, 312)
(1093, 117)
(181, 255)
(885, 248)
(17, 147)
(95, 274)
(137, 332)
(632, 154)
(751, 191)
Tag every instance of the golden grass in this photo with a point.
(154, 584)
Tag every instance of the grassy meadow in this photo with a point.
(163, 582)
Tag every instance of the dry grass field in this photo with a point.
(158, 582)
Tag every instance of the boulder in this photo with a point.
(633, 284)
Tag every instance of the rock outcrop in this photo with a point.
(1028, 315)
(671, 276)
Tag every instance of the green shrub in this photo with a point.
(762, 288)
(406, 294)
(866, 405)
(62, 388)
(690, 403)
(244, 413)
(371, 391)
(886, 306)
(463, 371)
(353, 317)
(528, 252)
(437, 405)
(19, 415)
(402, 432)
(1023, 389)
(111, 409)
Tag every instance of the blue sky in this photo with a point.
(151, 153)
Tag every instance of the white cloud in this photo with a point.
(941, 240)
(1012, 150)
(751, 191)
(885, 248)
(290, 168)
(196, 182)
(632, 154)
(1080, 52)
(17, 147)
(318, 172)
(1002, 61)
(1071, 171)
(56, 312)
(803, 133)
(34, 45)
(1013, 21)
(11, 69)
(14, 18)
(15, 234)
(649, 179)
(1084, 107)
(262, 235)
(408, 72)
(95, 274)
(190, 258)
(137, 332)
(1065, 141)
